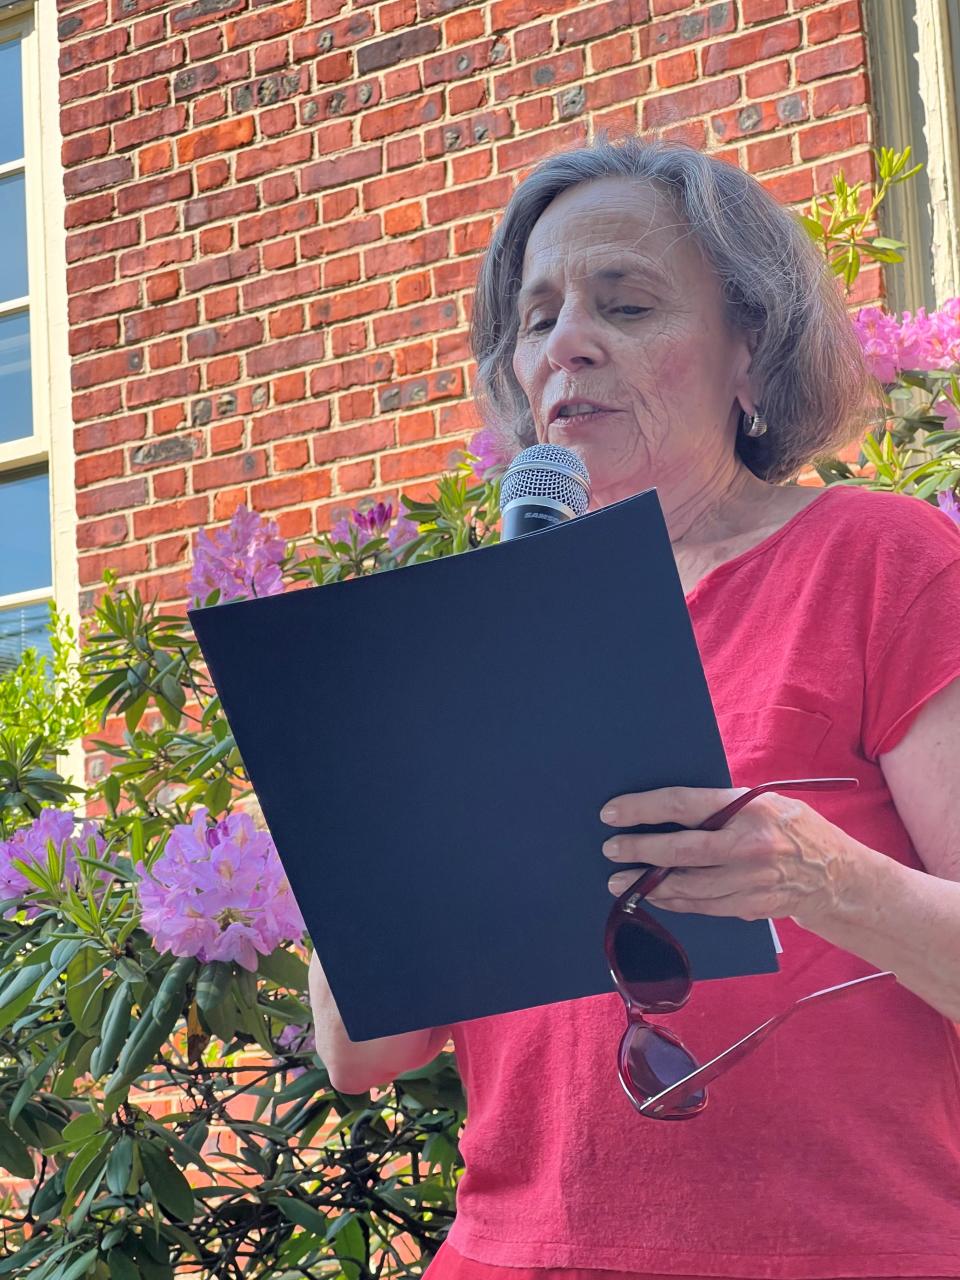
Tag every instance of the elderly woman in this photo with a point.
(655, 311)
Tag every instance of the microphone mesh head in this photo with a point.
(547, 471)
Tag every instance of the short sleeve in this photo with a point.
(913, 650)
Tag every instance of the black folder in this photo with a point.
(431, 748)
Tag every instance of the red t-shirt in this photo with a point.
(834, 1149)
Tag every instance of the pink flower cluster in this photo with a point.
(239, 561)
(918, 342)
(29, 844)
(373, 522)
(491, 453)
(218, 892)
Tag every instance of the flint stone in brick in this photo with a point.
(66, 27)
(226, 404)
(572, 101)
(201, 9)
(749, 117)
(385, 53)
(193, 79)
(172, 449)
(790, 108)
(201, 412)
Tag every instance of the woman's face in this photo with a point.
(618, 307)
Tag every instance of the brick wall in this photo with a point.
(275, 212)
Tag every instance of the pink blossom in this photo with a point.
(239, 561)
(218, 892)
(919, 342)
(29, 844)
(879, 336)
(490, 451)
(949, 503)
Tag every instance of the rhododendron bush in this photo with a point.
(162, 1108)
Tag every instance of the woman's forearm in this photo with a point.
(356, 1066)
(901, 919)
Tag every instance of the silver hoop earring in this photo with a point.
(755, 426)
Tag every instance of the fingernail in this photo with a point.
(608, 813)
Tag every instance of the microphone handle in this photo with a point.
(529, 515)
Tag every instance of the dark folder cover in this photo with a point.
(431, 747)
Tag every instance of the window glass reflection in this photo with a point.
(25, 563)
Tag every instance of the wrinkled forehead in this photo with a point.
(597, 227)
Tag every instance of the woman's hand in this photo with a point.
(777, 857)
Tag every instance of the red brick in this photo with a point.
(339, 171)
(763, 81)
(111, 497)
(354, 476)
(306, 349)
(157, 320)
(135, 130)
(681, 68)
(170, 484)
(318, 244)
(100, 435)
(405, 115)
(201, 12)
(475, 199)
(220, 137)
(186, 514)
(412, 427)
(239, 469)
(110, 532)
(114, 367)
(761, 10)
(831, 59)
(685, 104)
(269, 290)
(222, 204)
(143, 195)
(99, 466)
(833, 20)
(171, 385)
(349, 303)
(428, 460)
(256, 161)
(294, 421)
(399, 256)
(229, 337)
(765, 42)
(351, 442)
(122, 560)
(94, 337)
(266, 24)
(773, 153)
(96, 112)
(99, 48)
(760, 117)
(88, 146)
(463, 26)
(838, 95)
(291, 490)
(156, 62)
(830, 136)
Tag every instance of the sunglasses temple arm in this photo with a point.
(700, 1078)
(723, 816)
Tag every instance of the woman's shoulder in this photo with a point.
(878, 523)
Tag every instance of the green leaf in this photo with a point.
(303, 1215)
(350, 1247)
(83, 1127)
(121, 1267)
(14, 1155)
(84, 1165)
(285, 968)
(79, 1267)
(120, 1166)
(167, 1182)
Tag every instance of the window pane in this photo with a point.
(13, 237)
(24, 532)
(11, 103)
(16, 399)
(23, 628)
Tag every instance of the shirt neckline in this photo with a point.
(729, 566)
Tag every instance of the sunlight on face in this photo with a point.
(619, 307)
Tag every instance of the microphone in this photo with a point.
(543, 486)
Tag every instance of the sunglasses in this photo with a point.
(651, 971)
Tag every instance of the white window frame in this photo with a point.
(915, 82)
(34, 23)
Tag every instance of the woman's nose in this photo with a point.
(574, 342)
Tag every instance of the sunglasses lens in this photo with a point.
(655, 1063)
(651, 966)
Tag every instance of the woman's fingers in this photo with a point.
(687, 806)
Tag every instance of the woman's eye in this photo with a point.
(538, 326)
(633, 310)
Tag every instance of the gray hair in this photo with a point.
(807, 366)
